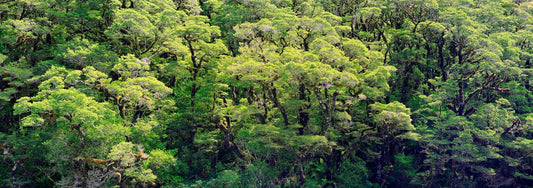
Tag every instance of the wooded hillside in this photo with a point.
(259, 93)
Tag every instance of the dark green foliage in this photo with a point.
(266, 93)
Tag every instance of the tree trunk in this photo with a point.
(273, 96)
(303, 116)
(441, 62)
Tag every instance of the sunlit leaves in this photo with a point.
(63, 107)
(129, 160)
(135, 29)
(395, 119)
(69, 103)
(79, 53)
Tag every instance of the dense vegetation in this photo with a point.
(257, 93)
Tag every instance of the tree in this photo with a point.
(392, 123)
(85, 129)
(462, 148)
(254, 93)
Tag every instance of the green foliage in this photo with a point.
(79, 53)
(254, 93)
(129, 163)
(353, 173)
(395, 119)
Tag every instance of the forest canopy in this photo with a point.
(266, 93)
